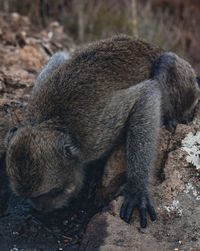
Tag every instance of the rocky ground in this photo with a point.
(85, 225)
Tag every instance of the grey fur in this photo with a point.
(54, 62)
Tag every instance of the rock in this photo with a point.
(32, 57)
(117, 235)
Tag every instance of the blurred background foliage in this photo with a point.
(172, 24)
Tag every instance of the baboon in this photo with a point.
(113, 92)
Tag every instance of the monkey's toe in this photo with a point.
(151, 212)
(143, 218)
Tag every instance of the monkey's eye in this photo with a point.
(67, 152)
(66, 146)
(54, 192)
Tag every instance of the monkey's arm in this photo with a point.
(141, 145)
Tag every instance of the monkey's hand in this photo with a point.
(142, 202)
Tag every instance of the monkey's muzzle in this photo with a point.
(42, 203)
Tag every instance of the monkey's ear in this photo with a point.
(9, 136)
(66, 146)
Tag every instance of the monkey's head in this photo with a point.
(180, 86)
(43, 166)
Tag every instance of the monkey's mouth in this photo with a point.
(44, 205)
(46, 202)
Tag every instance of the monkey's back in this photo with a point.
(76, 93)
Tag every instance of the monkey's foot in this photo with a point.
(142, 202)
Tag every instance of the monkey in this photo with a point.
(113, 92)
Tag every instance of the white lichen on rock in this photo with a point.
(174, 207)
(191, 145)
(190, 188)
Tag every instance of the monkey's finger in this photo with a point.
(129, 211)
(143, 218)
(123, 210)
(151, 212)
(131, 204)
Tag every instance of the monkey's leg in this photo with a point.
(54, 62)
(141, 144)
